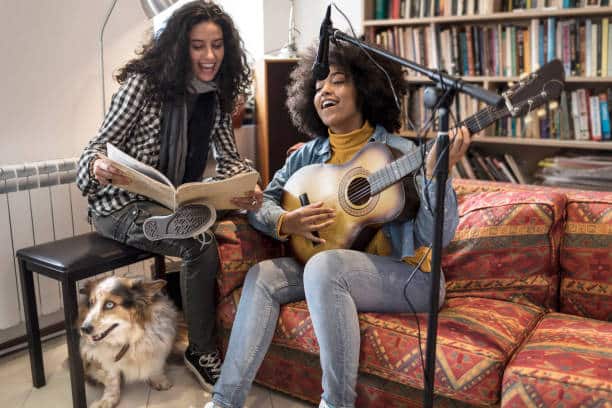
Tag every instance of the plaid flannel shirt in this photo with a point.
(133, 124)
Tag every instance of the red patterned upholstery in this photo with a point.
(505, 247)
(240, 247)
(476, 337)
(514, 247)
(586, 256)
(567, 362)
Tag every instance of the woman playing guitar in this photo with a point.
(350, 108)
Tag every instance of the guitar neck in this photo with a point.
(405, 165)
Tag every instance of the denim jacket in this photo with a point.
(405, 236)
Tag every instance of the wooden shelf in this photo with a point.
(572, 144)
(500, 140)
(507, 16)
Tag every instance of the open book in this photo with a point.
(150, 182)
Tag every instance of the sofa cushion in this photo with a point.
(240, 247)
(567, 361)
(506, 245)
(476, 337)
(586, 256)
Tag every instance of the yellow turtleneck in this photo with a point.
(344, 147)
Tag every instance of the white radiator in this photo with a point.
(39, 202)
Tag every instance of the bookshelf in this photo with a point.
(492, 19)
(275, 131)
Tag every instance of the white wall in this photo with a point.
(50, 101)
(50, 104)
(310, 13)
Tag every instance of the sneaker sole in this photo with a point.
(206, 385)
(187, 222)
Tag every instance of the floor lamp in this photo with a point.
(151, 9)
(289, 50)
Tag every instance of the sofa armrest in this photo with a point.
(240, 246)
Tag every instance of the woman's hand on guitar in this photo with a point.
(306, 220)
(458, 145)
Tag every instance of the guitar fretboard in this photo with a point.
(408, 163)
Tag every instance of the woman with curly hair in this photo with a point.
(174, 105)
(351, 107)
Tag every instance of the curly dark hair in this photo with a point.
(374, 94)
(166, 64)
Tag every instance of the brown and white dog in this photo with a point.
(128, 329)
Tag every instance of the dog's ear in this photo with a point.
(150, 288)
(87, 287)
(154, 287)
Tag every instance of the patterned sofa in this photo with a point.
(526, 322)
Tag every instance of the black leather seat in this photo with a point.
(68, 261)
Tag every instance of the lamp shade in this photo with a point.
(154, 7)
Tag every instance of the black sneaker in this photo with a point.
(187, 222)
(205, 366)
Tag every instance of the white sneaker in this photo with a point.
(211, 404)
(187, 222)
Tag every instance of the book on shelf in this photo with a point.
(481, 166)
(516, 170)
(604, 112)
(150, 182)
(594, 113)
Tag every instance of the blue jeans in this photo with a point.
(336, 284)
(198, 269)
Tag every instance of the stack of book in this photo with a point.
(582, 172)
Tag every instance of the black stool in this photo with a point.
(69, 260)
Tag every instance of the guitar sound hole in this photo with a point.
(359, 191)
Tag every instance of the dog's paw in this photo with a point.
(103, 403)
(160, 383)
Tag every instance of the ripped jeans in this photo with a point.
(198, 269)
(336, 284)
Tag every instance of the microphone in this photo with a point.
(321, 66)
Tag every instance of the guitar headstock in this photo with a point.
(537, 88)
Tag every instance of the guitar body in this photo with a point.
(339, 187)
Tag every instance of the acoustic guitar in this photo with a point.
(365, 191)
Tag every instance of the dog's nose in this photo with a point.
(87, 328)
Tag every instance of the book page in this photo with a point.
(117, 155)
(217, 193)
(144, 179)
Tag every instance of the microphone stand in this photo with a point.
(449, 86)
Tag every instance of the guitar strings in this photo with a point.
(364, 189)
